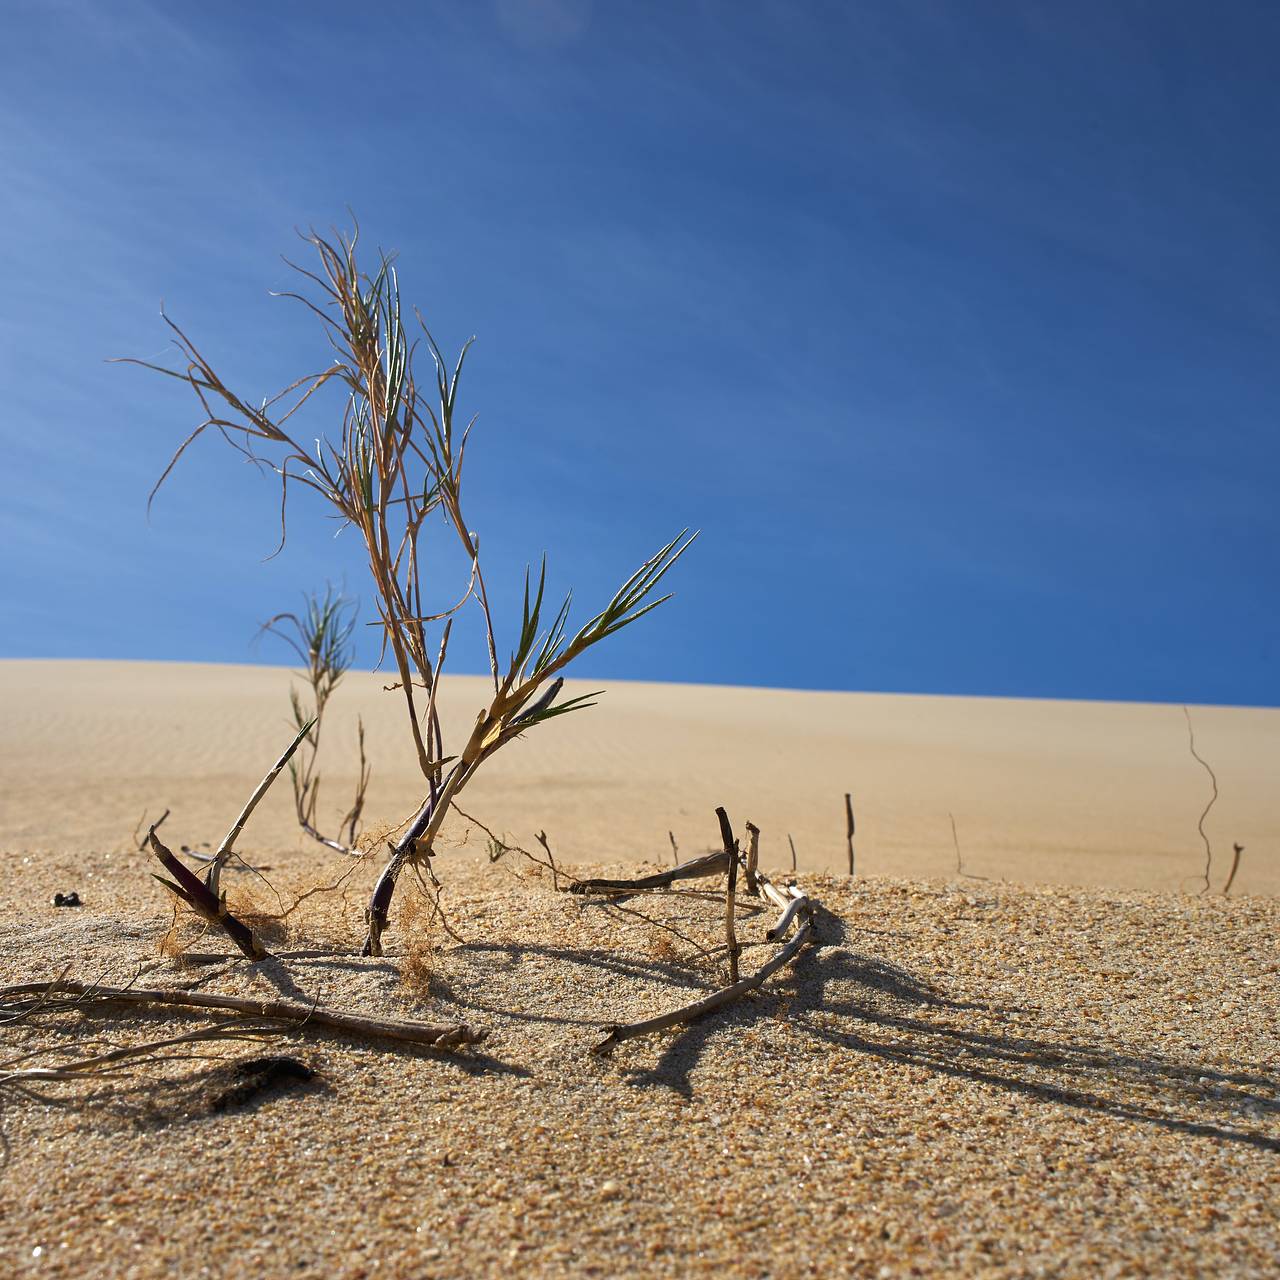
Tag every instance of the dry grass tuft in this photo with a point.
(183, 931)
(662, 949)
(421, 924)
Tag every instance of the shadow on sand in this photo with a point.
(876, 1007)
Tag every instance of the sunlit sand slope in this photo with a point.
(1067, 792)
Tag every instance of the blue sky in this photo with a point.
(954, 326)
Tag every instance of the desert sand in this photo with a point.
(1080, 793)
(1061, 1061)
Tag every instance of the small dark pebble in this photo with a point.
(71, 899)
(261, 1075)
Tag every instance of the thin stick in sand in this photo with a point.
(848, 831)
(1236, 850)
(731, 893)
(753, 858)
(710, 864)
(794, 905)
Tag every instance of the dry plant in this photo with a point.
(421, 918)
(395, 462)
(62, 1066)
(321, 637)
(392, 467)
(797, 912)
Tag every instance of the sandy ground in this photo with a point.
(1042, 792)
(965, 1077)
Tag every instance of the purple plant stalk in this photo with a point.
(201, 899)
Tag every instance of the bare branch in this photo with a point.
(446, 1036)
(712, 864)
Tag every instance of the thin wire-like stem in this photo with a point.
(1213, 799)
(223, 851)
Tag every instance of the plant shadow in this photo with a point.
(871, 1007)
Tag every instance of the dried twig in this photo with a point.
(499, 848)
(1213, 778)
(155, 826)
(610, 906)
(730, 893)
(433, 893)
(541, 838)
(236, 864)
(448, 1036)
(794, 905)
(731, 854)
(711, 864)
(318, 889)
(675, 848)
(848, 833)
(1236, 850)
(753, 858)
(792, 843)
(955, 839)
(716, 1000)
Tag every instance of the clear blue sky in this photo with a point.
(954, 326)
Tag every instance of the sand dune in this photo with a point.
(1080, 793)
(962, 1078)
